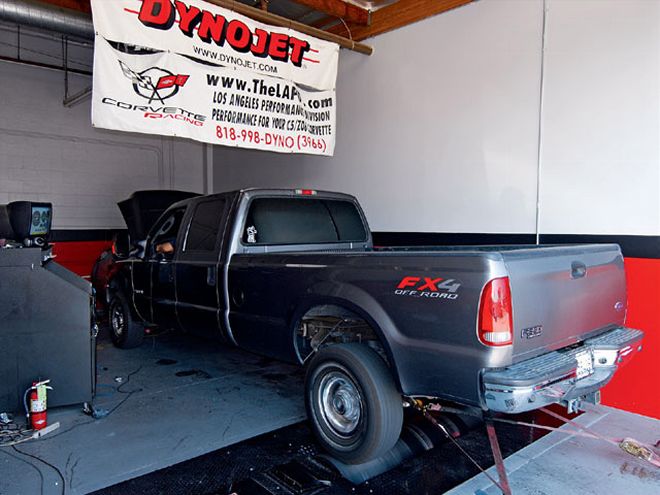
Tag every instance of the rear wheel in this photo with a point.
(352, 402)
(125, 332)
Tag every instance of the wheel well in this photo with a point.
(329, 324)
(118, 284)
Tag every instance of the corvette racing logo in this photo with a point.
(154, 83)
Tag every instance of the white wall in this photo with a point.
(437, 131)
(445, 138)
(52, 153)
(600, 167)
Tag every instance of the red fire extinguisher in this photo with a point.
(36, 413)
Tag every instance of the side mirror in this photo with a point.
(121, 246)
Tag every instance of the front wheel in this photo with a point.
(125, 332)
(352, 402)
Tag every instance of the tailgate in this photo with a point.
(563, 295)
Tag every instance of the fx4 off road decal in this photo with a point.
(428, 287)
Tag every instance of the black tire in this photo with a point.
(125, 332)
(332, 378)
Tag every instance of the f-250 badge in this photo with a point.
(429, 287)
(531, 332)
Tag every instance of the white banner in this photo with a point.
(168, 94)
(220, 36)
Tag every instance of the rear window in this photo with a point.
(302, 221)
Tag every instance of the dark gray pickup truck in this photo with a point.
(294, 275)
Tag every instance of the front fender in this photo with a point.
(121, 282)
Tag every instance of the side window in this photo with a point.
(302, 221)
(205, 225)
(163, 241)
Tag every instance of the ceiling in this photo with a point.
(353, 19)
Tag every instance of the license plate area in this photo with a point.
(585, 363)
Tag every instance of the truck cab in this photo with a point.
(179, 277)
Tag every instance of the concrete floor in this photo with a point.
(184, 397)
(560, 464)
(181, 397)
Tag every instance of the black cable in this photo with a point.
(130, 392)
(118, 405)
(41, 476)
(55, 468)
(128, 379)
(12, 432)
(47, 464)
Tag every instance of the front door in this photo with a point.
(141, 271)
(200, 299)
(161, 252)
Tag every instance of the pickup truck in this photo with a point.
(293, 275)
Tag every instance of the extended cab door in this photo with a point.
(200, 298)
(161, 252)
(260, 291)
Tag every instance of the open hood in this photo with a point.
(143, 208)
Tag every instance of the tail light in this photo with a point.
(495, 314)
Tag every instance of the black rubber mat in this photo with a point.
(249, 468)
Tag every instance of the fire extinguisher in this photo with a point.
(36, 412)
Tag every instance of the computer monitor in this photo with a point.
(30, 220)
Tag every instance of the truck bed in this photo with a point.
(566, 294)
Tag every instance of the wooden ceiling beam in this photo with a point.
(397, 15)
(339, 8)
(79, 5)
(276, 20)
(254, 13)
(334, 8)
(324, 22)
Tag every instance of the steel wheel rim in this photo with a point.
(340, 403)
(117, 319)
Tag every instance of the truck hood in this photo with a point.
(143, 208)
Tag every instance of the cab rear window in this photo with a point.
(302, 221)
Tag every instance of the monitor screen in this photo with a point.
(41, 216)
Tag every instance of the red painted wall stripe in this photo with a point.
(636, 387)
(79, 257)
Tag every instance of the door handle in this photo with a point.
(210, 276)
(578, 269)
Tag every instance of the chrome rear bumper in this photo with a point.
(561, 375)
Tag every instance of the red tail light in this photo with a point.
(495, 314)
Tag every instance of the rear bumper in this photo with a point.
(560, 375)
